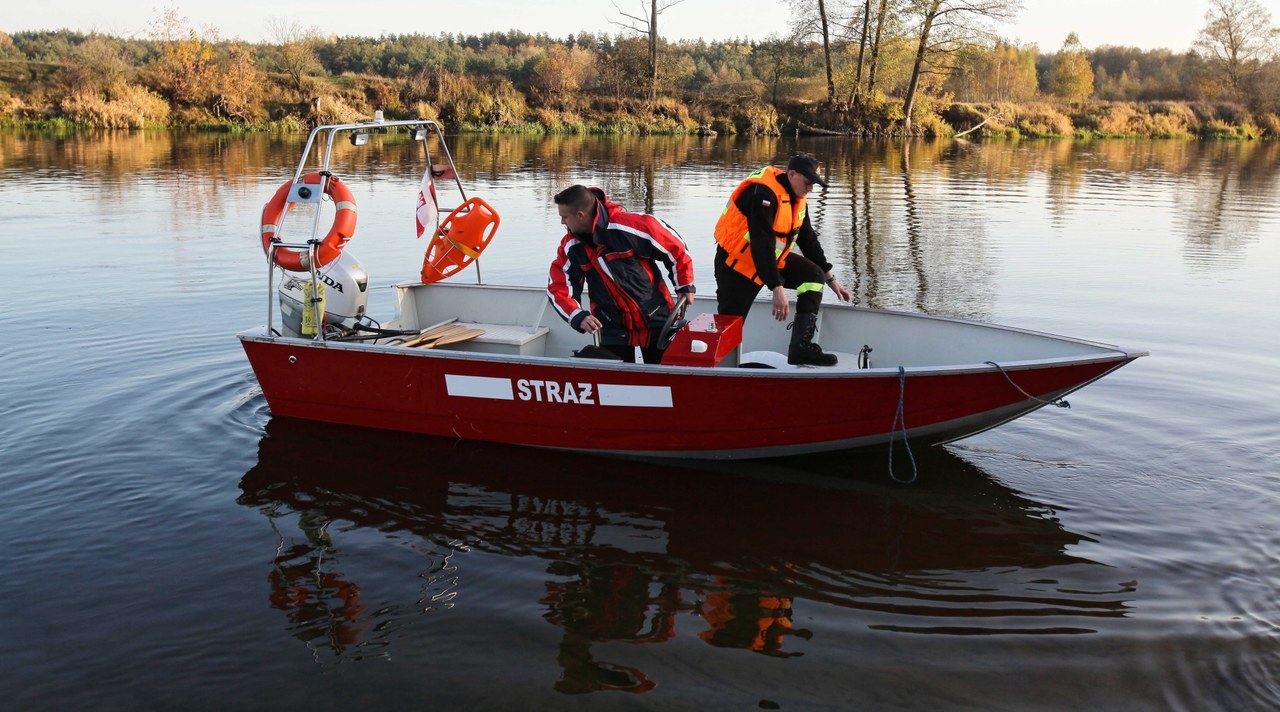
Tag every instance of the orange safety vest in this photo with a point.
(731, 229)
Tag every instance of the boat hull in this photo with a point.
(584, 405)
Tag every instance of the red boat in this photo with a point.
(494, 363)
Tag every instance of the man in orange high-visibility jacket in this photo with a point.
(765, 218)
(618, 256)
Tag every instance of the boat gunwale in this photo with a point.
(806, 373)
(1104, 352)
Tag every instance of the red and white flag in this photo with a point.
(428, 213)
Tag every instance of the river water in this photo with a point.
(167, 544)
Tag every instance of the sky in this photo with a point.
(1147, 24)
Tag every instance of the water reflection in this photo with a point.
(914, 228)
(907, 219)
(633, 547)
(323, 605)
(323, 608)
(596, 602)
(1225, 218)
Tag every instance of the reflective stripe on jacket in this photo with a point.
(734, 236)
(621, 265)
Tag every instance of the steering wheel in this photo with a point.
(675, 322)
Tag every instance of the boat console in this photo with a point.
(708, 340)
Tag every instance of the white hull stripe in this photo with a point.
(606, 394)
(635, 396)
(478, 387)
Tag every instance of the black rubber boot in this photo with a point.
(803, 352)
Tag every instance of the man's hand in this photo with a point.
(591, 324)
(780, 306)
(843, 294)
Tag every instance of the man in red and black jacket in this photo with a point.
(616, 255)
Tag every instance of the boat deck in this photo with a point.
(519, 321)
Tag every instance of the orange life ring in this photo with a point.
(344, 224)
(460, 239)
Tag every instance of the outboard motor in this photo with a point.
(345, 292)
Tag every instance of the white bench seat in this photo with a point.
(504, 339)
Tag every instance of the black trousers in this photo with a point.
(735, 292)
(628, 353)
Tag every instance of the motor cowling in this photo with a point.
(345, 288)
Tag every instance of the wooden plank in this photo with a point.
(433, 333)
(454, 338)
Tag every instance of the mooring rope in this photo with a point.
(899, 418)
(1061, 402)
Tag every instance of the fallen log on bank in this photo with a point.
(806, 129)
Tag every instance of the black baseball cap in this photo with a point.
(806, 166)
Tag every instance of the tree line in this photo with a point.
(932, 67)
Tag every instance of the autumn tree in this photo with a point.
(824, 26)
(562, 71)
(624, 72)
(97, 67)
(1237, 39)
(96, 83)
(296, 57)
(7, 48)
(810, 19)
(882, 16)
(1122, 87)
(945, 27)
(186, 71)
(1013, 74)
(1004, 72)
(646, 23)
(1072, 74)
(778, 58)
(863, 36)
(240, 85)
